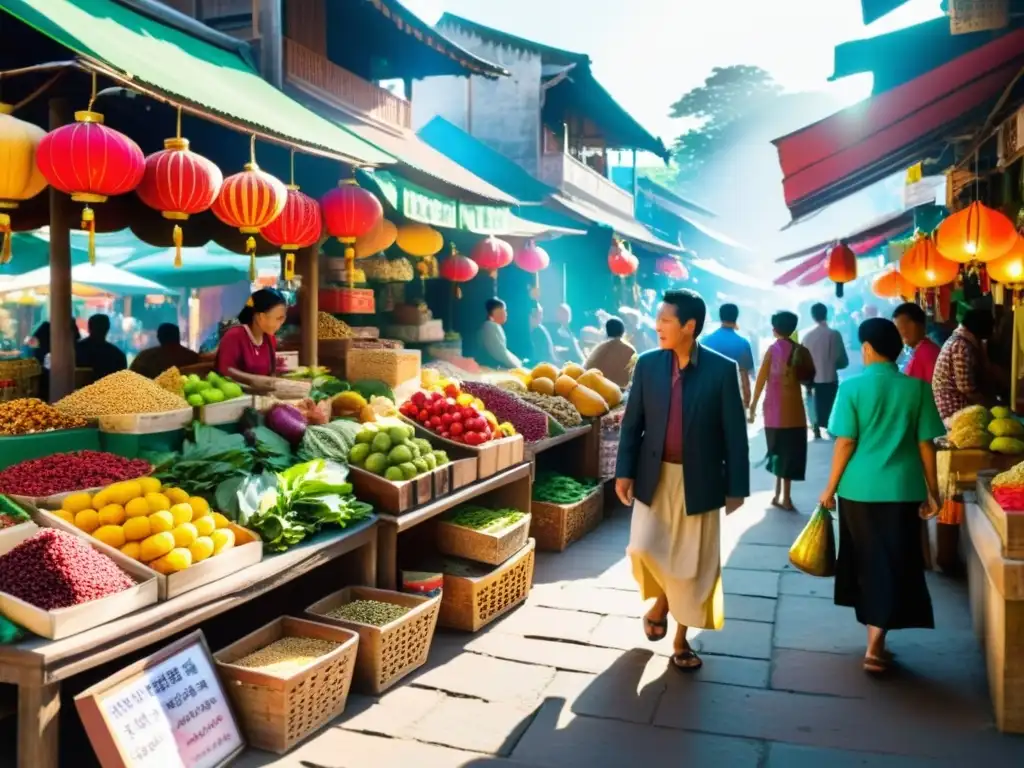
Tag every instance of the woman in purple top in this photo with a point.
(248, 351)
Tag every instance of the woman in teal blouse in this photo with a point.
(884, 473)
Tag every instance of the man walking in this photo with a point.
(829, 354)
(727, 342)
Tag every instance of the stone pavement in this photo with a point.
(569, 681)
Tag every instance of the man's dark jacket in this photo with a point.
(716, 462)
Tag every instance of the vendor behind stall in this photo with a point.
(959, 369)
(170, 352)
(248, 351)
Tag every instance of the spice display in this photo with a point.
(63, 472)
(53, 569)
(328, 327)
(390, 449)
(451, 420)
(287, 656)
(119, 393)
(554, 488)
(1008, 488)
(28, 415)
(391, 366)
(172, 381)
(528, 420)
(484, 519)
(372, 612)
(558, 408)
(388, 270)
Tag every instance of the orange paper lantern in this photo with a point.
(924, 267)
(977, 233)
(892, 285)
(842, 266)
(1008, 269)
(378, 239)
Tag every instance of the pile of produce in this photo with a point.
(330, 328)
(372, 612)
(54, 569)
(11, 514)
(287, 656)
(286, 507)
(386, 270)
(332, 441)
(307, 373)
(172, 381)
(968, 427)
(589, 391)
(325, 387)
(554, 488)
(452, 421)
(63, 472)
(163, 527)
(351, 405)
(527, 420)
(484, 519)
(1008, 488)
(28, 415)
(213, 389)
(390, 449)
(120, 393)
(1008, 432)
(558, 408)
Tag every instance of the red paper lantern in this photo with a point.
(350, 212)
(532, 258)
(621, 262)
(179, 183)
(842, 266)
(671, 267)
(458, 269)
(492, 254)
(298, 226)
(90, 162)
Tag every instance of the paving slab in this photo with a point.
(627, 633)
(758, 557)
(796, 756)
(547, 653)
(391, 714)
(472, 725)
(796, 583)
(628, 691)
(750, 608)
(800, 623)
(488, 679)
(548, 624)
(749, 639)
(737, 581)
(615, 602)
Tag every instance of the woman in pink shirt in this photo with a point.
(911, 321)
(248, 351)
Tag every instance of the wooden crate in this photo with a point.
(1009, 524)
(960, 466)
(277, 712)
(388, 653)
(471, 602)
(482, 546)
(556, 526)
(390, 496)
(146, 423)
(226, 412)
(491, 458)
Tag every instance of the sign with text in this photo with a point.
(168, 710)
(966, 16)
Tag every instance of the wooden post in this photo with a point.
(38, 720)
(62, 345)
(308, 265)
(270, 25)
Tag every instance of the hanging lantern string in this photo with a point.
(5, 231)
(252, 150)
(92, 96)
(291, 162)
(178, 127)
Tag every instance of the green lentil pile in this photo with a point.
(287, 655)
(484, 519)
(554, 488)
(558, 408)
(372, 612)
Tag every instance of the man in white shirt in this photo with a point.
(493, 349)
(829, 354)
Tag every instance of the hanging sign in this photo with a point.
(167, 710)
(966, 16)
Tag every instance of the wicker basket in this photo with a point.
(388, 653)
(556, 526)
(279, 712)
(481, 546)
(471, 602)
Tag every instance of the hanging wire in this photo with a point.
(178, 127)
(292, 164)
(38, 92)
(252, 149)
(92, 97)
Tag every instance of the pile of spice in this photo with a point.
(372, 612)
(54, 570)
(554, 488)
(118, 393)
(484, 519)
(64, 472)
(328, 327)
(27, 415)
(172, 381)
(287, 656)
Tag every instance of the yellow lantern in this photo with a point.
(20, 178)
(419, 240)
(1008, 269)
(378, 239)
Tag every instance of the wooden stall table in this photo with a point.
(581, 459)
(38, 666)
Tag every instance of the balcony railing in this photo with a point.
(343, 87)
(570, 175)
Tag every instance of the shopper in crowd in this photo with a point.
(884, 472)
(247, 352)
(492, 346)
(614, 355)
(543, 349)
(829, 355)
(728, 342)
(785, 368)
(674, 540)
(912, 323)
(567, 344)
(98, 354)
(38, 345)
(168, 352)
(959, 368)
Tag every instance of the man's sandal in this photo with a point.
(655, 630)
(687, 661)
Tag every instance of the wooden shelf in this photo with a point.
(532, 449)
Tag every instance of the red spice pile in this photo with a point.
(63, 472)
(54, 569)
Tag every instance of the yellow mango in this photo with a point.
(157, 545)
(132, 549)
(223, 538)
(136, 528)
(184, 535)
(201, 548)
(149, 485)
(176, 495)
(176, 560)
(87, 520)
(63, 514)
(205, 525)
(112, 514)
(220, 520)
(76, 502)
(200, 507)
(157, 502)
(122, 493)
(137, 508)
(182, 513)
(161, 521)
(101, 499)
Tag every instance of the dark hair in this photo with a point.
(728, 313)
(979, 322)
(784, 323)
(883, 337)
(689, 306)
(493, 304)
(912, 312)
(614, 327)
(99, 325)
(168, 333)
(264, 300)
(819, 313)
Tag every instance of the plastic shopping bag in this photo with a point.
(814, 551)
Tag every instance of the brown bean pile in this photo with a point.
(121, 392)
(329, 327)
(171, 381)
(27, 415)
(287, 655)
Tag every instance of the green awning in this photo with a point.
(186, 69)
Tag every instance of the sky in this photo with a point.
(647, 53)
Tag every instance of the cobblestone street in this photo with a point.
(569, 681)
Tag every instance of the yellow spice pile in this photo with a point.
(287, 655)
(121, 392)
(329, 327)
(171, 380)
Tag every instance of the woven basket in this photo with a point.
(556, 526)
(471, 602)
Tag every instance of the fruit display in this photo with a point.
(54, 569)
(392, 451)
(286, 656)
(968, 427)
(554, 488)
(376, 613)
(172, 381)
(163, 527)
(63, 472)
(528, 420)
(213, 389)
(558, 408)
(1011, 446)
(28, 415)
(351, 404)
(1006, 427)
(1008, 488)
(330, 328)
(123, 392)
(483, 519)
(331, 441)
(452, 420)
(589, 391)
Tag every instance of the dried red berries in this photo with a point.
(54, 569)
(63, 472)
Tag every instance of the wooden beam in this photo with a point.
(62, 344)
(308, 265)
